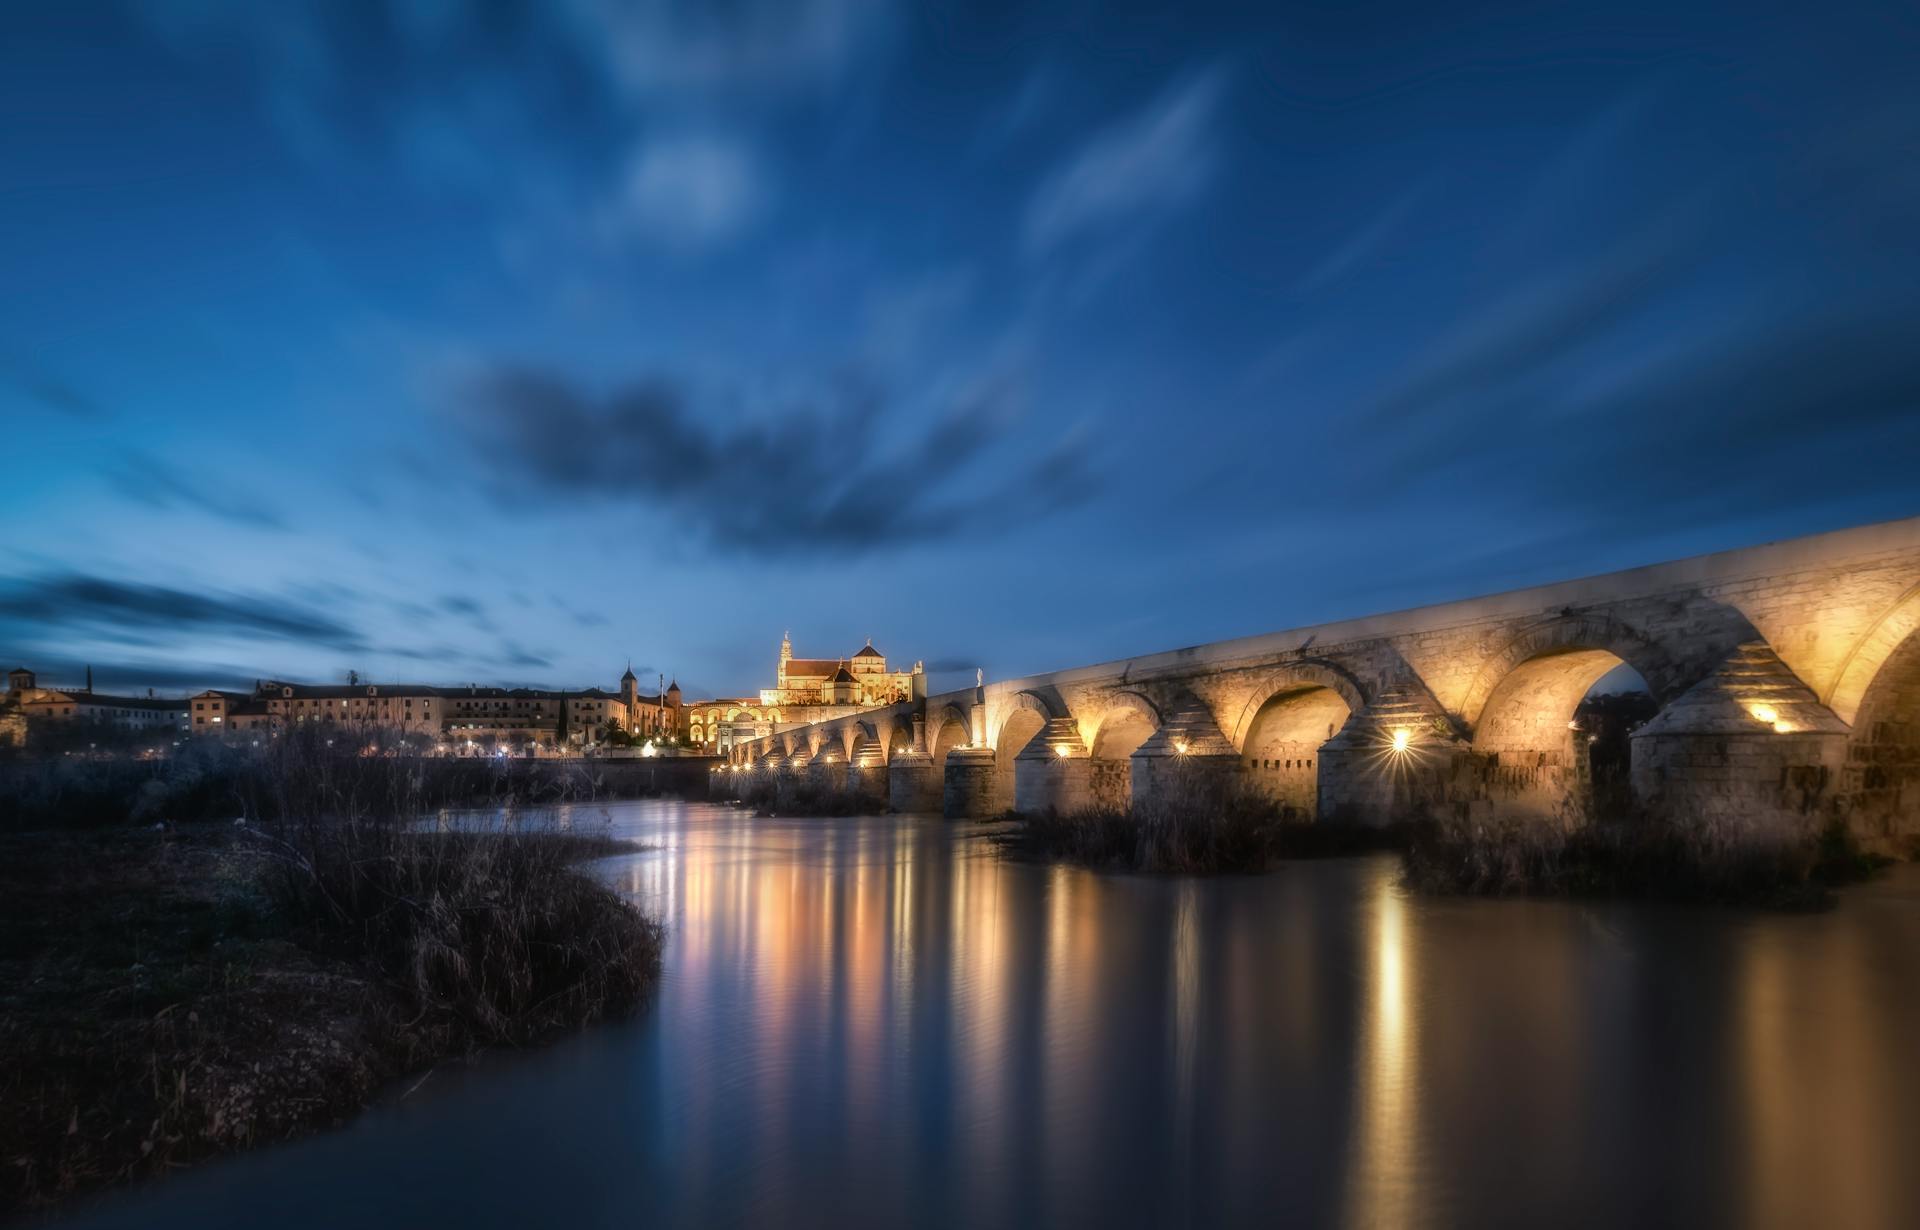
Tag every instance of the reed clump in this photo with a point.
(1706, 859)
(1201, 825)
(176, 991)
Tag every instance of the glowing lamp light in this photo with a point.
(1061, 750)
(1180, 746)
(1402, 737)
(1764, 713)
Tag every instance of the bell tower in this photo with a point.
(630, 696)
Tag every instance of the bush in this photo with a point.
(485, 931)
(178, 993)
(487, 937)
(1701, 860)
(1204, 823)
(211, 780)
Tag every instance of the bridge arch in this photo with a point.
(1027, 701)
(1291, 714)
(899, 738)
(1293, 677)
(1026, 715)
(1570, 634)
(1127, 720)
(1533, 760)
(1870, 654)
(1881, 775)
(947, 728)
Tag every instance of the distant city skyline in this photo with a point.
(503, 351)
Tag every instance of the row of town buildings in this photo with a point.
(805, 690)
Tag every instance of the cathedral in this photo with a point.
(862, 680)
(804, 690)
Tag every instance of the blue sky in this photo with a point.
(507, 347)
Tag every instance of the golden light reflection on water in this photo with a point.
(881, 1022)
(892, 1003)
(1381, 1180)
(1811, 1057)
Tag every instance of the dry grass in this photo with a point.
(175, 993)
(1203, 825)
(769, 794)
(1704, 860)
(209, 780)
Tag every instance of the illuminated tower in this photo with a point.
(630, 696)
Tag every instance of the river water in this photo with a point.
(884, 1021)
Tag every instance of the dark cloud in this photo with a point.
(1544, 320)
(811, 478)
(69, 600)
(590, 619)
(135, 677)
(949, 665)
(1774, 417)
(469, 609)
(147, 480)
(50, 391)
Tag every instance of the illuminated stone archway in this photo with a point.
(1282, 744)
(1533, 759)
(1129, 721)
(948, 732)
(1881, 783)
(1026, 717)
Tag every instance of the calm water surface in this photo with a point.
(883, 1021)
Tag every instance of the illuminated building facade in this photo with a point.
(804, 690)
(472, 713)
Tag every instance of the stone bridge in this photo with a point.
(1787, 675)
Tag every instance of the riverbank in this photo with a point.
(176, 994)
(1209, 829)
(212, 780)
(1704, 862)
(1213, 829)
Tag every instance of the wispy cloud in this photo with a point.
(66, 601)
(1360, 247)
(748, 46)
(49, 391)
(147, 480)
(688, 193)
(1139, 169)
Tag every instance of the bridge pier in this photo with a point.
(1393, 762)
(969, 789)
(1749, 747)
(869, 782)
(1186, 758)
(1052, 773)
(827, 771)
(913, 784)
(791, 778)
